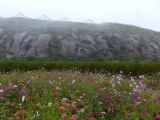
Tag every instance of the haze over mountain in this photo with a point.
(31, 38)
(142, 13)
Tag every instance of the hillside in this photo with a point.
(24, 38)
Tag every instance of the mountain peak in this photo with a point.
(20, 15)
(64, 20)
(44, 17)
(89, 21)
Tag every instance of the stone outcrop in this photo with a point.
(30, 38)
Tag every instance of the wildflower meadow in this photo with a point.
(73, 95)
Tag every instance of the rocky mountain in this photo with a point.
(24, 38)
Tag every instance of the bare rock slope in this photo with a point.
(31, 38)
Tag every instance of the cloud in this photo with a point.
(137, 12)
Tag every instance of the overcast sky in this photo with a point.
(144, 13)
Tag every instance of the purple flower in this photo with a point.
(132, 105)
(12, 86)
(157, 117)
(143, 86)
(144, 110)
(24, 91)
(136, 96)
(119, 101)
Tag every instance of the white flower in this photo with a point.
(63, 115)
(74, 102)
(134, 83)
(119, 82)
(36, 114)
(57, 88)
(130, 85)
(0, 84)
(1, 90)
(132, 79)
(119, 77)
(23, 98)
(49, 104)
(73, 81)
(103, 113)
(141, 76)
(113, 85)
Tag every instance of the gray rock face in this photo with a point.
(1, 30)
(28, 38)
(39, 47)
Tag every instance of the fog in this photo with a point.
(143, 13)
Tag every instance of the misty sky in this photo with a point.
(144, 13)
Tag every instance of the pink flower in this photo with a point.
(64, 100)
(82, 110)
(79, 100)
(73, 117)
(81, 97)
(29, 81)
(14, 87)
(50, 82)
(62, 108)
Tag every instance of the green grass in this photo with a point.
(101, 96)
(108, 66)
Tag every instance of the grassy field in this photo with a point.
(134, 67)
(71, 95)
